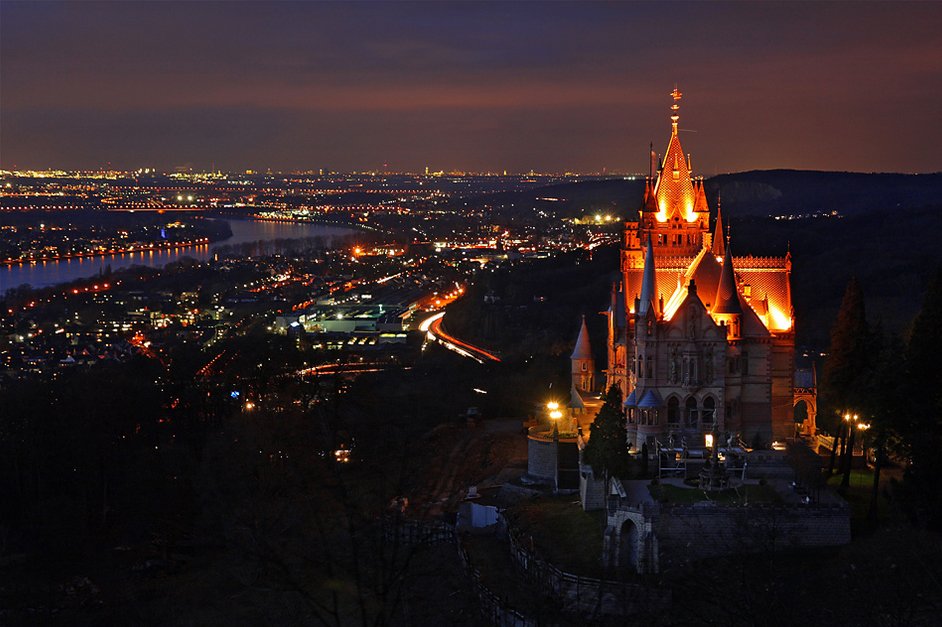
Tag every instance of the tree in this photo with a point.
(843, 382)
(884, 403)
(921, 427)
(607, 448)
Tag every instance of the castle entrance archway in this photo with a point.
(629, 546)
(805, 405)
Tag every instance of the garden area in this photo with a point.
(562, 533)
(859, 493)
(741, 495)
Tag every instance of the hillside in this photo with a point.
(754, 193)
(886, 232)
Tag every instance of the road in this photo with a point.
(433, 326)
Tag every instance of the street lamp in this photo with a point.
(852, 426)
(555, 415)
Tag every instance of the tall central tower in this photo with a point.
(696, 335)
(674, 211)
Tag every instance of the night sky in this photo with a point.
(550, 87)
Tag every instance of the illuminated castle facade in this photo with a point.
(695, 333)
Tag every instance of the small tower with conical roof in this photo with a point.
(719, 240)
(648, 299)
(583, 365)
(727, 308)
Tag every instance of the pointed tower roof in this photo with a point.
(648, 283)
(674, 191)
(727, 294)
(583, 349)
(719, 241)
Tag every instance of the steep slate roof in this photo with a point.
(648, 287)
(674, 191)
(632, 400)
(727, 293)
(719, 240)
(583, 349)
(763, 282)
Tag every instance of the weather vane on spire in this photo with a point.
(675, 116)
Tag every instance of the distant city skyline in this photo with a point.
(556, 87)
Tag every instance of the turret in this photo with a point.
(719, 242)
(647, 299)
(583, 365)
(727, 308)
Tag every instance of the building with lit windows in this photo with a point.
(696, 334)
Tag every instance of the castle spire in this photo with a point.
(727, 294)
(674, 191)
(675, 109)
(648, 284)
(719, 240)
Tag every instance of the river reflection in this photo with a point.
(44, 273)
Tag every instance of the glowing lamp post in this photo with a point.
(553, 408)
(555, 415)
(852, 421)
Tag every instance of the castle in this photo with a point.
(696, 335)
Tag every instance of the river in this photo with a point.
(45, 273)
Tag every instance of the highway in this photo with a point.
(433, 326)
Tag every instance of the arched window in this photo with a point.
(691, 414)
(673, 410)
(709, 410)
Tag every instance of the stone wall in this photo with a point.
(591, 490)
(669, 535)
(587, 596)
(695, 532)
(541, 458)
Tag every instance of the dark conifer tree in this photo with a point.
(844, 379)
(607, 449)
(921, 427)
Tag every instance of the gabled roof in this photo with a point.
(575, 399)
(632, 400)
(752, 325)
(650, 400)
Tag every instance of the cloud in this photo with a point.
(766, 85)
